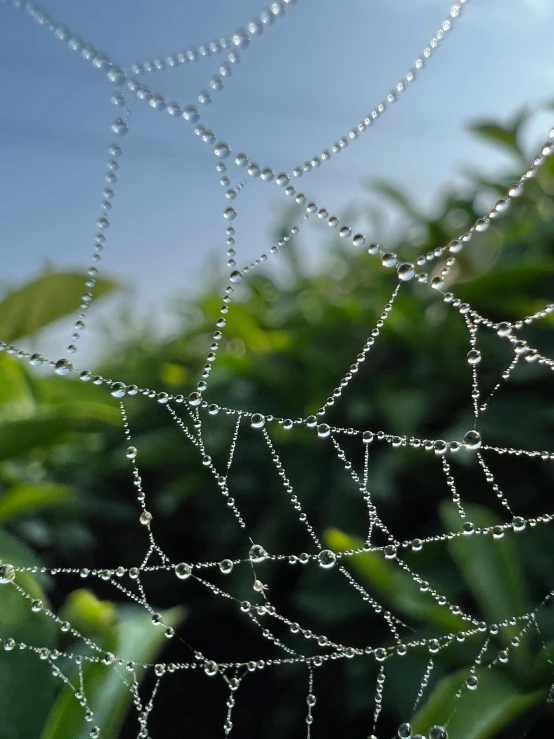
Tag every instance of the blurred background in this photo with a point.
(440, 158)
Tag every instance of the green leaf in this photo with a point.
(27, 498)
(510, 290)
(51, 422)
(17, 391)
(135, 639)
(544, 662)
(490, 567)
(27, 310)
(506, 136)
(89, 615)
(393, 584)
(27, 688)
(497, 134)
(479, 714)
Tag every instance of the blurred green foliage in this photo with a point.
(67, 498)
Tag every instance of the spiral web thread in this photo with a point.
(193, 413)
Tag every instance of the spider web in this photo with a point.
(194, 415)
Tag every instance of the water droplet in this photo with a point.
(63, 367)
(195, 399)
(145, 518)
(230, 214)
(226, 566)
(515, 190)
(531, 355)
(221, 150)
(481, 224)
(434, 646)
(131, 452)
(36, 360)
(472, 440)
(389, 260)
(472, 682)
(503, 329)
(518, 524)
(323, 430)
(406, 271)
(404, 731)
(240, 39)
(257, 421)
(191, 114)
(36, 605)
(236, 277)
(120, 127)
(118, 390)
(474, 356)
(157, 619)
(257, 553)
(438, 732)
(311, 700)
(358, 240)
(109, 658)
(455, 246)
(367, 437)
(327, 559)
(468, 528)
(7, 574)
(158, 102)
(183, 571)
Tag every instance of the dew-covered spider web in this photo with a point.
(288, 645)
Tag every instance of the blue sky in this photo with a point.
(304, 83)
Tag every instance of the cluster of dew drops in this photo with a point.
(405, 732)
